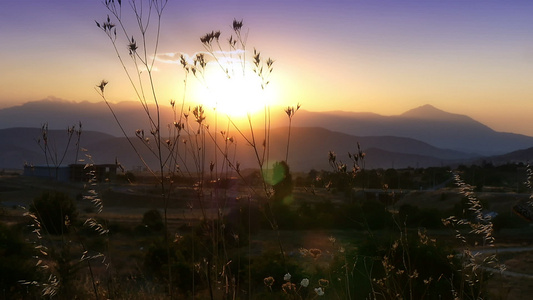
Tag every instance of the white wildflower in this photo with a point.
(305, 282)
(319, 291)
(287, 277)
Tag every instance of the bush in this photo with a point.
(413, 217)
(245, 218)
(375, 215)
(153, 220)
(52, 209)
(15, 263)
(156, 266)
(391, 268)
(508, 220)
(271, 263)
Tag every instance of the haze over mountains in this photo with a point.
(421, 137)
(427, 124)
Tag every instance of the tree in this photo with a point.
(281, 182)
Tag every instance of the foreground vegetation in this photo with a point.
(345, 245)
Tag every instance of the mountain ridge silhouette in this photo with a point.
(426, 131)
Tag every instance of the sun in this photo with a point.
(236, 94)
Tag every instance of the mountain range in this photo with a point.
(421, 137)
(427, 124)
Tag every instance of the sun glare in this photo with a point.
(236, 95)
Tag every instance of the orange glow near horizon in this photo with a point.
(355, 56)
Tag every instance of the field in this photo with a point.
(129, 239)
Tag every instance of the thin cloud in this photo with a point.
(169, 58)
(226, 57)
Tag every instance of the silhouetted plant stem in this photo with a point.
(290, 111)
(194, 134)
(155, 122)
(89, 266)
(141, 158)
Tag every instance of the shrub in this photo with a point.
(153, 220)
(508, 220)
(15, 263)
(412, 267)
(54, 210)
(270, 263)
(156, 266)
(375, 215)
(245, 218)
(284, 216)
(413, 216)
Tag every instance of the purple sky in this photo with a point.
(468, 57)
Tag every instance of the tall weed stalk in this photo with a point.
(53, 221)
(474, 231)
(181, 147)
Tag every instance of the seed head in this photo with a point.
(237, 25)
(102, 85)
(269, 281)
(132, 46)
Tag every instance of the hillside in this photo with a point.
(524, 155)
(309, 148)
(424, 131)
(60, 114)
(427, 124)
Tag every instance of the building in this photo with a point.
(74, 172)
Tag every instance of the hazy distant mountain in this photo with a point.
(19, 146)
(60, 114)
(427, 124)
(308, 149)
(524, 156)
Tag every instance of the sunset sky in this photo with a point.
(467, 57)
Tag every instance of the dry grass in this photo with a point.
(127, 251)
(507, 287)
(445, 199)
